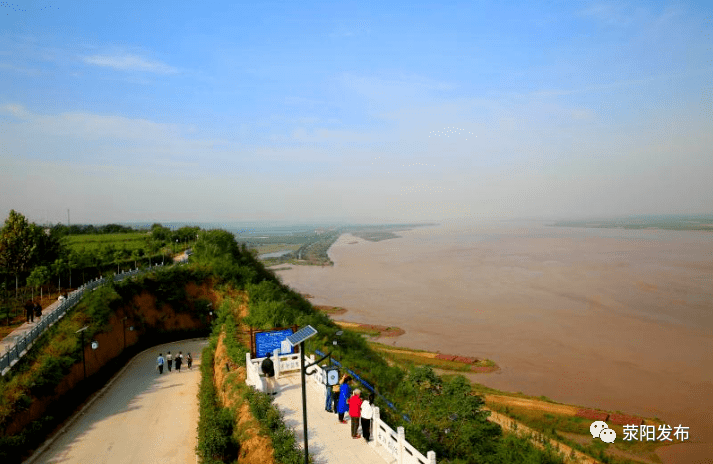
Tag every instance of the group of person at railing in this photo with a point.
(341, 400)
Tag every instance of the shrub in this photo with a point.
(215, 426)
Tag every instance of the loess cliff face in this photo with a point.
(254, 448)
(143, 313)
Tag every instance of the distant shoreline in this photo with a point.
(700, 223)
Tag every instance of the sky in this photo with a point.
(354, 111)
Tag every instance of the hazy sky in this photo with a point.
(369, 111)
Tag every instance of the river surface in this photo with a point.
(604, 318)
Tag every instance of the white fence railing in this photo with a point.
(392, 441)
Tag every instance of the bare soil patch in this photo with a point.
(372, 329)
(331, 310)
(532, 404)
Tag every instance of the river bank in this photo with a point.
(611, 319)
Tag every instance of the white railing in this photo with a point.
(286, 363)
(392, 441)
(252, 376)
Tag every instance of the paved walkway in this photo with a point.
(329, 441)
(139, 417)
(10, 340)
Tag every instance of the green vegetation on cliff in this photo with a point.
(33, 394)
(444, 414)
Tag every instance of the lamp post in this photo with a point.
(123, 324)
(300, 337)
(84, 362)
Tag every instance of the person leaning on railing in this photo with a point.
(367, 413)
(344, 394)
(355, 412)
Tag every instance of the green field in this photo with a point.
(130, 241)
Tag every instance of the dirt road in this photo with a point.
(140, 416)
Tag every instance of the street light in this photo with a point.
(123, 324)
(95, 345)
(300, 337)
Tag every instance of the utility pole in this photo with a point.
(84, 362)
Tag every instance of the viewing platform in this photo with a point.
(329, 441)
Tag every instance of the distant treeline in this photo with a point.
(61, 230)
(667, 222)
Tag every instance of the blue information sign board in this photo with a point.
(267, 342)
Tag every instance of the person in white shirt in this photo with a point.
(367, 413)
(159, 363)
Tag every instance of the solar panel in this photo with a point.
(301, 335)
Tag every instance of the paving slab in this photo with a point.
(329, 441)
(12, 338)
(141, 416)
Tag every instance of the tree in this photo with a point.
(47, 247)
(160, 233)
(58, 267)
(16, 244)
(74, 259)
(118, 257)
(214, 244)
(448, 416)
(37, 278)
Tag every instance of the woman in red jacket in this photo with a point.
(355, 412)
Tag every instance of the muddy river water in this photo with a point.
(604, 318)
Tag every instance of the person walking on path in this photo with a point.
(30, 312)
(367, 413)
(268, 368)
(355, 411)
(179, 361)
(169, 360)
(189, 360)
(38, 311)
(159, 363)
(344, 393)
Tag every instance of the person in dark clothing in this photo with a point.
(268, 368)
(30, 312)
(38, 311)
(335, 397)
(179, 361)
(189, 360)
(328, 398)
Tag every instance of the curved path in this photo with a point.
(140, 416)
